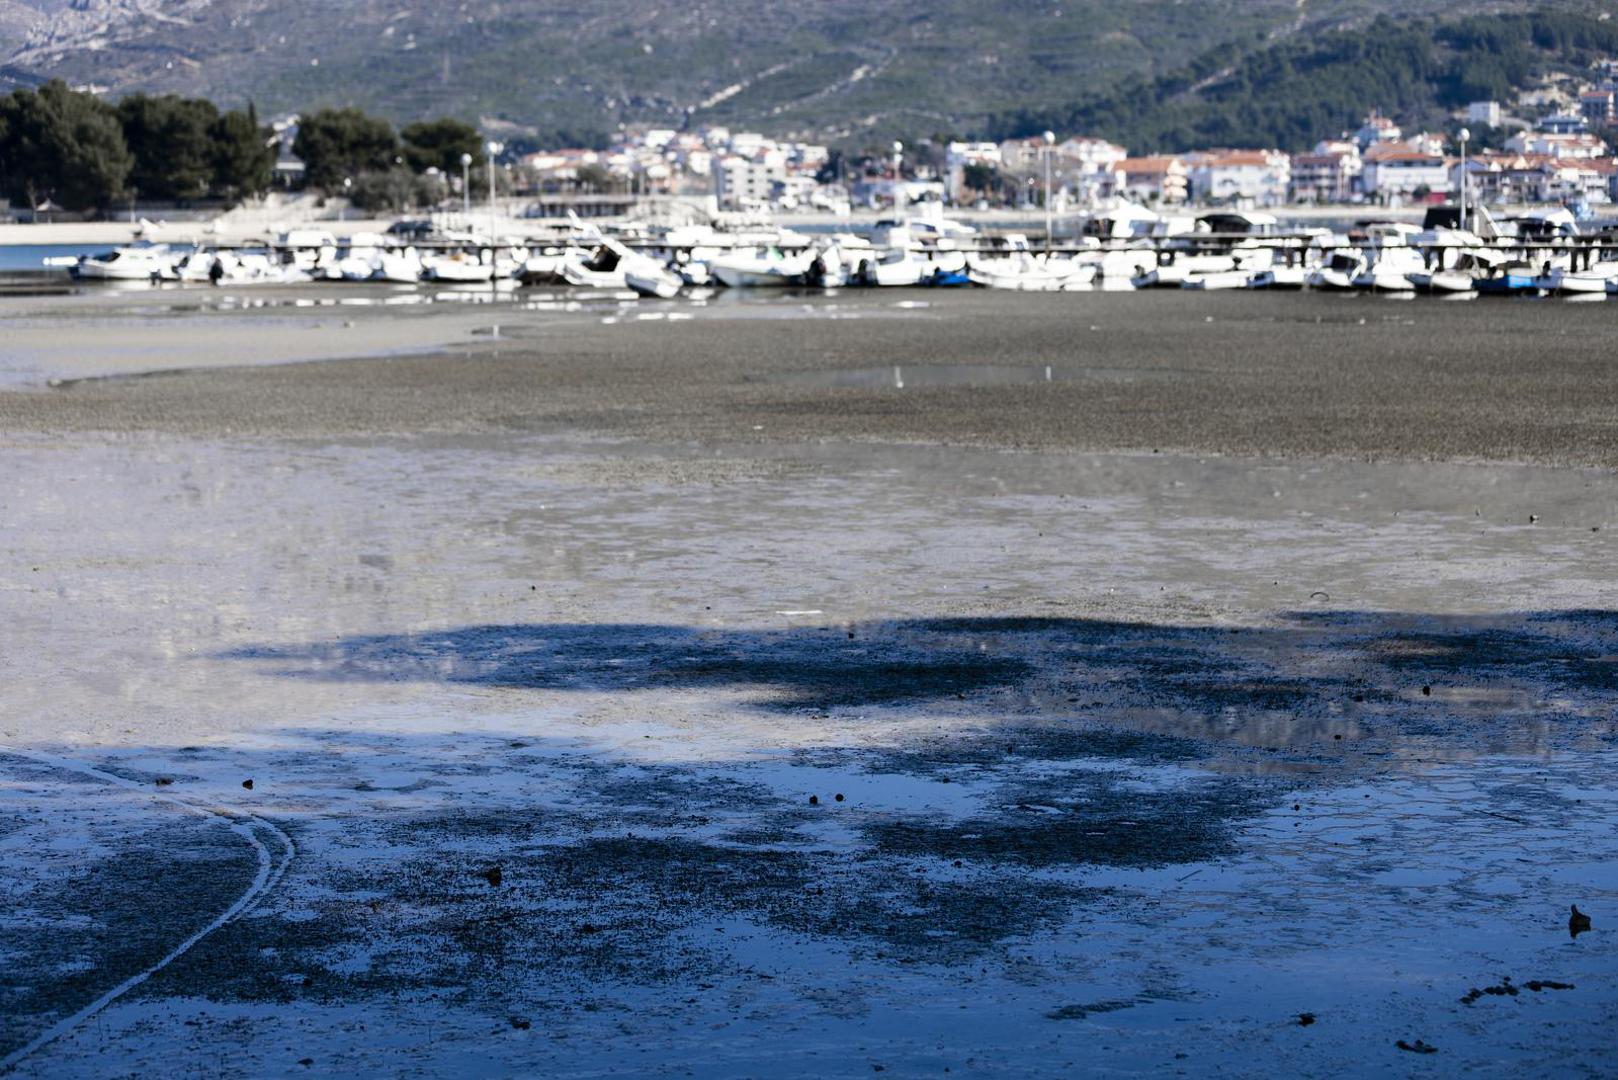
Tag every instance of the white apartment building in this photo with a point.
(1573, 145)
(1241, 177)
(740, 181)
(1401, 171)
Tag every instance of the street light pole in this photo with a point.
(494, 150)
(466, 188)
(1045, 152)
(898, 164)
(1465, 135)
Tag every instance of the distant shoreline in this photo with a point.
(197, 232)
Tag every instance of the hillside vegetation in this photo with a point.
(1296, 92)
(574, 71)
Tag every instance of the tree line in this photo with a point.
(82, 153)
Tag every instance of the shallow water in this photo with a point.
(1073, 677)
(1142, 757)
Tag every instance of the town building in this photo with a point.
(1484, 113)
(1396, 171)
(742, 182)
(1330, 174)
(958, 156)
(1159, 179)
(1377, 129)
(1240, 177)
(1598, 107)
(1571, 123)
(1556, 144)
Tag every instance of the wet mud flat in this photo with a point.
(599, 749)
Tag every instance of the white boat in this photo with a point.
(1390, 270)
(260, 268)
(1280, 277)
(653, 281)
(583, 273)
(1592, 280)
(766, 268)
(399, 267)
(141, 262)
(1339, 270)
(1026, 272)
(459, 268)
(1174, 269)
(542, 269)
(1459, 268)
(1222, 279)
(902, 268)
(356, 267)
(1444, 281)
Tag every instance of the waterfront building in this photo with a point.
(1240, 177)
(740, 181)
(1330, 174)
(1159, 179)
(1398, 171)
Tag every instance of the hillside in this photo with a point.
(834, 69)
(1294, 92)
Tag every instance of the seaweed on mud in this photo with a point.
(936, 918)
(1010, 745)
(126, 910)
(1084, 1012)
(1236, 692)
(669, 791)
(522, 825)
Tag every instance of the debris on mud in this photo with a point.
(1417, 1047)
(1081, 1012)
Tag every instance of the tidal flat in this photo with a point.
(807, 684)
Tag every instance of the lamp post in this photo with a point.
(494, 152)
(898, 163)
(1465, 135)
(348, 186)
(466, 186)
(1045, 152)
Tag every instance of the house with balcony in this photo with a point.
(1160, 179)
(1330, 174)
(1396, 171)
(1240, 177)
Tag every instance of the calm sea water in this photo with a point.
(15, 257)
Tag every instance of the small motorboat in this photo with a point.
(765, 267)
(141, 262)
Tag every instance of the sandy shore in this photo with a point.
(816, 716)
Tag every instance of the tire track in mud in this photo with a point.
(270, 872)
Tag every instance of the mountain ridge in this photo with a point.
(827, 69)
